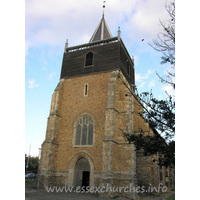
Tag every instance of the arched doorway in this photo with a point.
(82, 173)
(72, 165)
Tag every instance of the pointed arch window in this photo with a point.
(84, 130)
(89, 59)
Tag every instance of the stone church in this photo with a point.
(84, 144)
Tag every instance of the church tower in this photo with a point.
(84, 145)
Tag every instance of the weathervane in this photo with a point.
(104, 6)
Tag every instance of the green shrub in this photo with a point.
(171, 197)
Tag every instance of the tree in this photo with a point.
(161, 118)
(165, 43)
(33, 164)
(160, 114)
(164, 111)
(154, 145)
(26, 159)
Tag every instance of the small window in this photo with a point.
(89, 59)
(86, 90)
(84, 131)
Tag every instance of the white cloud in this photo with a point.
(27, 45)
(152, 83)
(51, 75)
(169, 89)
(141, 85)
(139, 77)
(159, 97)
(146, 18)
(52, 22)
(32, 84)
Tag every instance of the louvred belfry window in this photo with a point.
(89, 59)
(84, 130)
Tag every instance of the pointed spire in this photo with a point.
(102, 31)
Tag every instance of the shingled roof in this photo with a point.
(102, 31)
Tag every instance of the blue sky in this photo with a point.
(49, 23)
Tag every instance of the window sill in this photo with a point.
(83, 145)
(88, 66)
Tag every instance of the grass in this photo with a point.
(173, 189)
(30, 183)
(115, 197)
(171, 197)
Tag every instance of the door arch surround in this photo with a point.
(72, 164)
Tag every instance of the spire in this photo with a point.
(102, 31)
